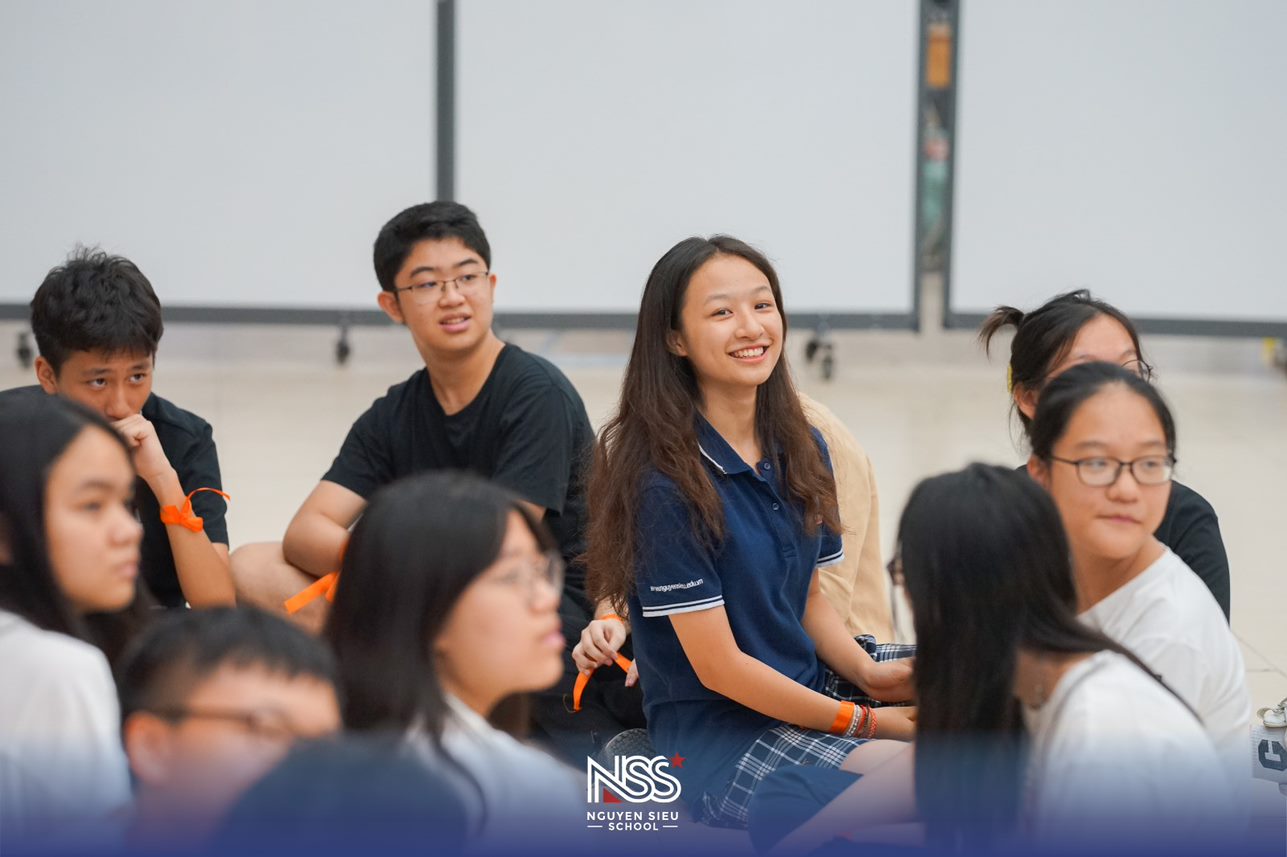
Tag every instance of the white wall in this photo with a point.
(620, 129)
(241, 152)
(1135, 148)
(245, 153)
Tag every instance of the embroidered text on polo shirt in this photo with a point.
(673, 586)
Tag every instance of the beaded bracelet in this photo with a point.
(860, 720)
(871, 724)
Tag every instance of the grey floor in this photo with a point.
(919, 403)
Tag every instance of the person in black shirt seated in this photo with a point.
(480, 405)
(97, 324)
(1075, 328)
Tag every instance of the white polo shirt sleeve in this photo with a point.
(675, 571)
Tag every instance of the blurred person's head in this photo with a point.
(346, 797)
(987, 572)
(433, 264)
(1091, 421)
(1065, 331)
(69, 540)
(97, 324)
(210, 701)
(449, 586)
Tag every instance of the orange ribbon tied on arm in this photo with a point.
(324, 586)
(583, 679)
(184, 516)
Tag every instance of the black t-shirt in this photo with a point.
(1192, 532)
(188, 442)
(526, 430)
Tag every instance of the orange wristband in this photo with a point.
(843, 718)
(184, 516)
(610, 616)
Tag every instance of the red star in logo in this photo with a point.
(676, 761)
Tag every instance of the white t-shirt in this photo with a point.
(61, 758)
(1168, 618)
(519, 795)
(1114, 755)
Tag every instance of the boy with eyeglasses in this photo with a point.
(479, 404)
(211, 700)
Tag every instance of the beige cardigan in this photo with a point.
(858, 587)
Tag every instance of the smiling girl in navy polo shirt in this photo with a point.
(713, 506)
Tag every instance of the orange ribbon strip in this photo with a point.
(323, 587)
(184, 516)
(583, 679)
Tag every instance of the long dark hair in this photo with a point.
(1042, 337)
(988, 573)
(420, 543)
(654, 427)
(1066, 393)
(34, 434)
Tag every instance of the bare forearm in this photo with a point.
(204, 576)
(203, 572)
(761, 688)
(835, 646)
(314, 543)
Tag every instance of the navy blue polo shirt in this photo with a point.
(759, 573)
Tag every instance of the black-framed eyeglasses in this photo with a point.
(431, 290)
(1101, 471)
(263, 723)
(894, 568)
(527, 574)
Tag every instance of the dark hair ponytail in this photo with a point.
(1001, 317)
(1042, 337)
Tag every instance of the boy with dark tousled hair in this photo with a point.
(97, 324)
(210, 701)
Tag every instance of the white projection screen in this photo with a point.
(243, 153)
(1133, 147)
(593, 136)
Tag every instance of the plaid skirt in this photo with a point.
(791, 745)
